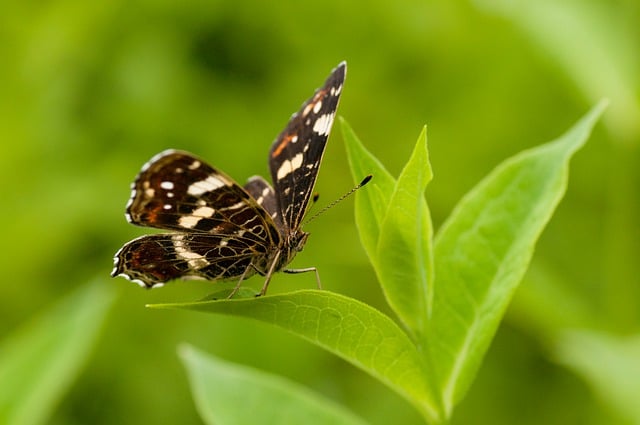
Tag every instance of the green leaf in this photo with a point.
(609, 364)
(389, 216)
(484, 248)
(39, 362)
(371, 201)
(404, 254)
(228, 393)
(349, 328)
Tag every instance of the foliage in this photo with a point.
(226, 393)
(480, 256)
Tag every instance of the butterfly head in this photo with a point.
(296, 241)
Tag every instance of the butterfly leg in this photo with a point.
(237, 287)
(308, 269)
(267, 278)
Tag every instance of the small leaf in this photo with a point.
(405, 262)
(227, 393)
(371, 201)
(39, 362)
(484, 248)
(350, 329)
(608, 364)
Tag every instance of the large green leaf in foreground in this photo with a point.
(484, 249)
(227, 393)
(349, 328)
(481, 252)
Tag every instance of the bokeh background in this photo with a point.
(89, 91)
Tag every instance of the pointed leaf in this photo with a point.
(228, 393)
(39, 362)
(371, 201)
(350, 329)
(405, 262)
(484, 248)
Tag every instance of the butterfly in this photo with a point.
(220, 230)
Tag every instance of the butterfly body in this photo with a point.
(219, 229)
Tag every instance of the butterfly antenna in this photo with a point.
(340, 199)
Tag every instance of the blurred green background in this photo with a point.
(89, 91)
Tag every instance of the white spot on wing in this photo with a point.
(323, 124)
(138, 281)
(234, 206)
(194, 259)
(167, 185)
(189, 221)
(205, 212)
(290, 165)
(133, 196)
(307, 109)
(210, 184)
(317, 106)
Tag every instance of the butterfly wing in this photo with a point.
(265, 196)
(177, 191)
(296, 154)
(223, 232)
(152, 260)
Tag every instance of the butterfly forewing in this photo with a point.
(177, 191)
(296, 154)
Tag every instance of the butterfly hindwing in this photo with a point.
(265, 196)
(152, 260)
(296, 154)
